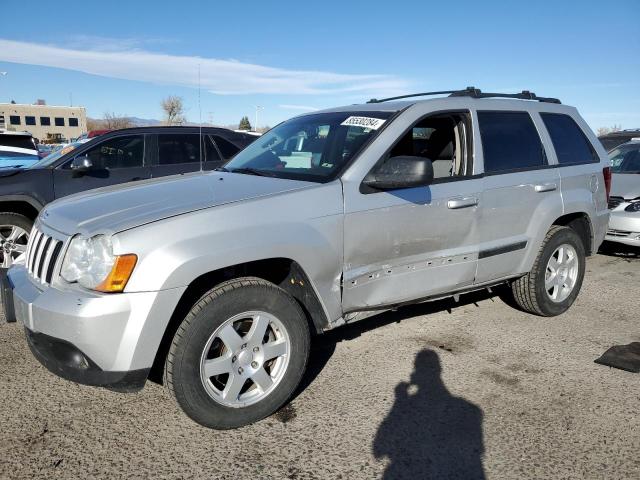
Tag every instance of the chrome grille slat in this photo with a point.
(42, 254)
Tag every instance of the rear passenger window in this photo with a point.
(569, 142)
(178, 148)
(510, 141)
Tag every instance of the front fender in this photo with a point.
(304, 226)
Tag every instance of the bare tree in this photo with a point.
(94, 124)
(174, 110)
(111, 121)
(604, 130)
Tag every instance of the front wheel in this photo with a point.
(14, 236)
(239, 354)
(554, 282)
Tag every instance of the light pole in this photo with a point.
(258, 108)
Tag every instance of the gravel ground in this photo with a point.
(441, 390)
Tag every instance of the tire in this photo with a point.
(243, 304)
(12, 246)
(530, 292)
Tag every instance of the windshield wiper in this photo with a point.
(251, 171)
(221, 169)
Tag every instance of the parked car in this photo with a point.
(17, 149)
(219, 279)
(624, 224)
(119, 156)
(613, 139)
(92, 133)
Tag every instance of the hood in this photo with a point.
(625, 185)
(121, 207)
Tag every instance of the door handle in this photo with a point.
(462, 202)
(545, 187)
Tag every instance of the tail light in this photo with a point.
(606, 173)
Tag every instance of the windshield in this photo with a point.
(56, 154)
(625, 158)
(313, 147)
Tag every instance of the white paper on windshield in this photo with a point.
(365, 122)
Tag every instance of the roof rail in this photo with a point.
(474, 93)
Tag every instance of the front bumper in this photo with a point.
(67, 361)
(107, 340)
(624, 227)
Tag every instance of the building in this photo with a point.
(44, 122)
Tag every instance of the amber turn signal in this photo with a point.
(119, 274)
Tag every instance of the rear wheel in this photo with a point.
(239, 354)
(14, 235)
(554, 282)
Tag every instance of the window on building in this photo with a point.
(569, 142)
(14, 119)
(59, 121)
(29, 120)
(73, 122)
(45, 121)
(510, 141)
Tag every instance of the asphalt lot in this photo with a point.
(440, 390)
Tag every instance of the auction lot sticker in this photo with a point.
(365, 122)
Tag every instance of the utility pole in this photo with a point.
(258, 108)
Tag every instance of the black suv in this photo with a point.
(117, 157)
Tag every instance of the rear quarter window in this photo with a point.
(570, 143)
(510, 142)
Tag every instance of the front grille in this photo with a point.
(615, 201)
(42, 253)
(618, 233)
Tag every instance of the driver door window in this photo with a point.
(119, 152)
(114, 160)
(443, 139)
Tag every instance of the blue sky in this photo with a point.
(292, 57)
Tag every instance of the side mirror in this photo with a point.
(401, 172)
(81, 164)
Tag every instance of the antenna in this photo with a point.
(200, 114)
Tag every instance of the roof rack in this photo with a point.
(475, 93)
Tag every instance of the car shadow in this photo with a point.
(323, 346)
(619, 250)
(429, 433)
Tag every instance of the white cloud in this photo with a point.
(228, 77)
(303, 108)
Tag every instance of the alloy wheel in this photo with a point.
(245, 359)
(562, 273)
(13, 243)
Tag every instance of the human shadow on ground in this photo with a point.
(429, 433)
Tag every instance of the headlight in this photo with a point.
(633, 207)
(91, 263)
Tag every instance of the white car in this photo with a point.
(624, 202)
(17, 149)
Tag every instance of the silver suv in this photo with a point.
(218, 279)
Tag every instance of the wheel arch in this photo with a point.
(21, 204)
(284, 272)
(581, 224)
